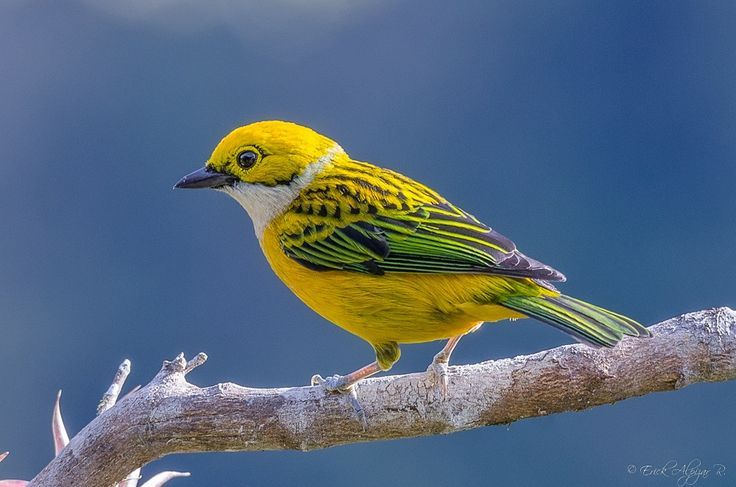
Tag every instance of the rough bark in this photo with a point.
(169, 415)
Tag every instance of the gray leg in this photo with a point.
(438, 367)
(344, 383)
(386, 355)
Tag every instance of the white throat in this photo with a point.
(264, 203)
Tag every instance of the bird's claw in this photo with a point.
(333, 383)
(438, 375)
(336, 384)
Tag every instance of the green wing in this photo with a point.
(430, 238)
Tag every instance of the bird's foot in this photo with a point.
(333, 383)
(340, 384)
(437, 372)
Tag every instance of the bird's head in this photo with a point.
(264, 166)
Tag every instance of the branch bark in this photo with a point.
(169, 415)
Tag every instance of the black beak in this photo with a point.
(205, 178)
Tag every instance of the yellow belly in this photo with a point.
(399, 307)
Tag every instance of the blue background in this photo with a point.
(597, 135)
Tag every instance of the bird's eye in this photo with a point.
(247, 159)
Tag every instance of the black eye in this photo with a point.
(247, 159)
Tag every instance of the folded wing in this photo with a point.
(431, 238)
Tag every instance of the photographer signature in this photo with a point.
(684, 474)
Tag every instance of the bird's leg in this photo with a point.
(438, 367)
(387, 353)
(343, 384)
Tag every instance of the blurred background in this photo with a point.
(597, 135)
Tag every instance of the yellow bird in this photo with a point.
(381, 255)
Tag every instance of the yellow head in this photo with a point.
(264, 166)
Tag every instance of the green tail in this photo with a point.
(585, 322)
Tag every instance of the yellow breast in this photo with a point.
(398, 307)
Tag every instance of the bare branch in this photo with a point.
(198, 360)
(111, 396)
(169, 415)
(160, 479)
(58, 430)
(10, 483)
(132, 479)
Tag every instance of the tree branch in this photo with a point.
(169, 415)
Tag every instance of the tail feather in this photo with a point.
(583, 321)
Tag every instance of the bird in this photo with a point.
(384, 256)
